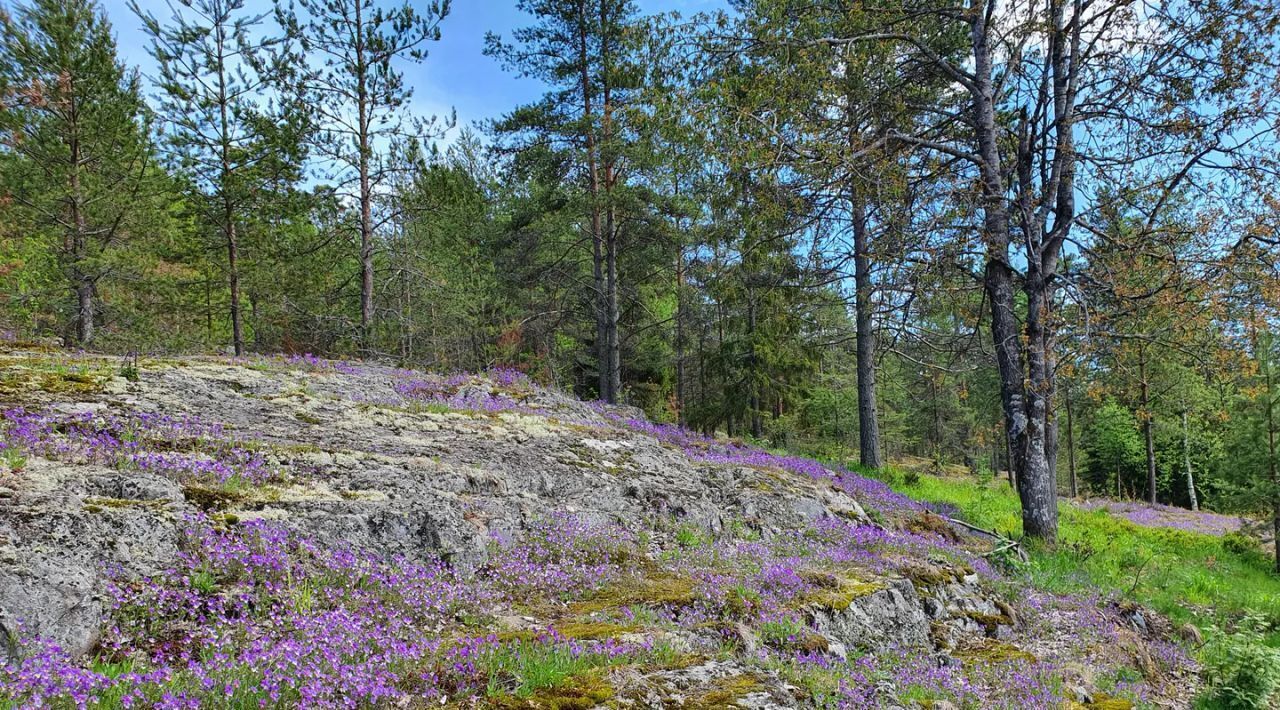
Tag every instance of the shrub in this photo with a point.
(1243, 673)
(1240, 543)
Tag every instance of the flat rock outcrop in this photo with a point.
(555, 522)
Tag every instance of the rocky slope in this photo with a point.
(284, 532)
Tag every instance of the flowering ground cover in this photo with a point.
(253, 616)
(184, 449)
(569, 612)
(1189, 571)
(1167, 516)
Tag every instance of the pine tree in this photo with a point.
(358, 95)
(580, 50)
(74, 119)
(215, 72)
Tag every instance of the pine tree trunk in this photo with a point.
(600, 301)
(76, 241)
(611, 286)
(868, 420)
(364, 109)
(680, 415)
(1272, 469)
(1071, 449)
(224, 187)
(612, 227)
(84, 311)
(233, 274)
(1147, 426)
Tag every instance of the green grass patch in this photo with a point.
(1219, 584)
(1190, 577)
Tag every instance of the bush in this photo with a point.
(1243, 673)
(1239, 543)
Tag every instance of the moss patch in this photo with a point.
(579, 692)
(836, 592)
(990, 623)
(660, 589)
(1102, 702)
(207, 498)
(927, 575)
(725, 692)
(931, 523)
(992, 653)
(95, 504)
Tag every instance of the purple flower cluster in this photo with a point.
(256, 616)
(707, 449)
(562, 555)
(181, 448)
(888, 678)
(495, 390)
(1167, 516)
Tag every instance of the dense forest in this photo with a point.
(1033, 239)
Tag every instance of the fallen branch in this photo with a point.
(1003, 544)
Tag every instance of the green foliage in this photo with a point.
(1242, 670)
(1114, 448)
(76, 175)
(1239, 543)
(13, 459)
(1190, 577)
(689, 536)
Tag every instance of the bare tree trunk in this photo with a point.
(1272, 469)
(1071, 449)
(1147, 426)
(75, 243)
(1186, 462)
(611, 289)
(680, 418)
(366, 248)
(868, 420)
(612, 227)
(593, 191)
(233, 275)
(365, 159)
(756, 424)
(84, 311)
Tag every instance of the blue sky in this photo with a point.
(456, 74)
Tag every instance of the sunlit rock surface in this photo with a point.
(321, 533)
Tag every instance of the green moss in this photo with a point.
(54, 378)
(210, 498)
(837, 592)
(70, 383)
(307, 418)
(1107, 702)
(927, 575)
(661, 589)
(580, 630)
(990, 623)
(725, 692)
(26, 346)
(579, 692)
(591, 630)
(992, 653)
(96, 504)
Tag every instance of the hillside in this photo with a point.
(282, 532)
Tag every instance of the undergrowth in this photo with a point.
(1224, 588)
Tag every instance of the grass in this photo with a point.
(1189, 577)
(1225, 588)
